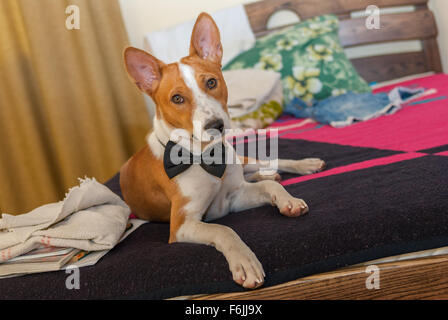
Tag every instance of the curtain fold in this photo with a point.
(67, 108)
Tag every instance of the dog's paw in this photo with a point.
(246, 270)
(291, 207)
(309, 166)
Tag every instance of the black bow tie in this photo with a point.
(177, 159)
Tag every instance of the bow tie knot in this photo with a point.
(178, 159)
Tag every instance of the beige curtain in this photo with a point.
(67, 108)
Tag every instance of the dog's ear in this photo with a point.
(205, 39)
(143, 68)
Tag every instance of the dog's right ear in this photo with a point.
(143, 68)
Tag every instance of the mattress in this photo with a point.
(384, 193)
(426, 80)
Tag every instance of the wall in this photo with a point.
(143, 16)
(440, 9)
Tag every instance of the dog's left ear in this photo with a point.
(205, 39)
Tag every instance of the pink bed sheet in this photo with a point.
(419, 126)
(415, 127)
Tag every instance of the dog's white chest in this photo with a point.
(209, 196)
(234, 177)
(220, 205)
(199, 187)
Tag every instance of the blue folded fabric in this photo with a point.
(348, 108)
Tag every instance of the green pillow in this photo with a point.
(310, 59)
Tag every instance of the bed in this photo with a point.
(383, 199)
(416, 274)
(410, 276)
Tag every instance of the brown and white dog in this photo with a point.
(193, 90)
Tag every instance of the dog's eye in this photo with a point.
(211, 83)
(177, 99)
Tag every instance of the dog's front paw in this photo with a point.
(246, 270)
(309, 166)
(291, 207)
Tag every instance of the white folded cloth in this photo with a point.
(249, 88)
(91, 217)
(170, 45)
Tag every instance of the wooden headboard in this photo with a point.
(417, 25)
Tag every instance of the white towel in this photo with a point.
(170, 45)
(91, 217)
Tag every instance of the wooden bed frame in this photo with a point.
(423, 278)
(417, 25)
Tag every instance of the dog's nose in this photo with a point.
(215, 124)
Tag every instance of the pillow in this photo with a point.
(310, 59)
(255, 97)
(170, 44)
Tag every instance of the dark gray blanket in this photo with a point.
(354, 217)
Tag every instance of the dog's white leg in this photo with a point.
(304, 166)
(244, 265)
(251, 167)
(252, 195)
(257, 176)
(252, 171)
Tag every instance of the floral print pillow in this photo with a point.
(310, 59)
